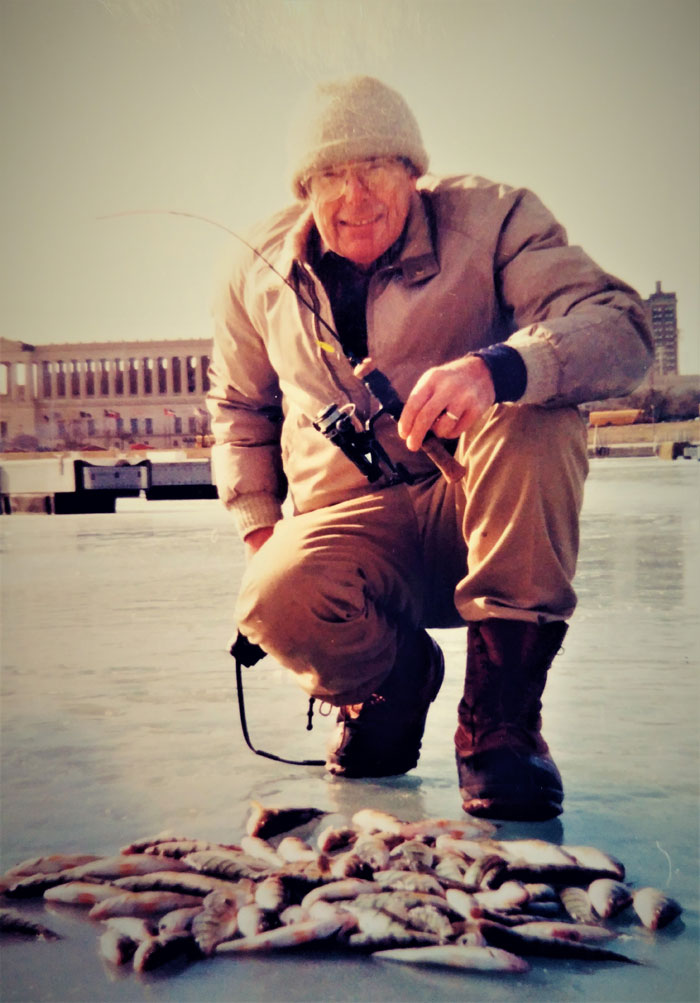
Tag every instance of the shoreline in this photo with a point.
(648, 433)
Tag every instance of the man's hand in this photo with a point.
(447, 399)
(254, 540)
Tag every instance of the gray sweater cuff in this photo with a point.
(254, 511)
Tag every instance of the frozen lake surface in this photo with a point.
(119, 719)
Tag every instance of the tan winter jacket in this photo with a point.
(482, 263)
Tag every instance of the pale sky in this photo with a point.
(117, 105)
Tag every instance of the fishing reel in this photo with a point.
(360, 445)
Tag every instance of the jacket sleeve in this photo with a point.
(582, 333)
(245, 405)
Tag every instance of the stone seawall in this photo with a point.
(667, 439)
(663, 431)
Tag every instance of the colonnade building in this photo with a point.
(151, 393)
(103, 394)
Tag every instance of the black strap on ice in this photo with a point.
(248, 654)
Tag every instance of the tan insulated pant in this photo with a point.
(333, 592)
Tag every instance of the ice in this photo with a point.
(119, 719)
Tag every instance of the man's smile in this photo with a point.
(361, 222)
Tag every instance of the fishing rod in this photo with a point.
(232, 233)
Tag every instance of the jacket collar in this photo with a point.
(417, 260)
(295, 243)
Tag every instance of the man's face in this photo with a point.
(360, 209)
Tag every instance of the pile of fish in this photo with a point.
(436, 892)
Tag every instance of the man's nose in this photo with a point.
(355, 189)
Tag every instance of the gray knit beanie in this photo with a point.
(352, 119)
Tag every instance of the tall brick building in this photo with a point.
(663, 318)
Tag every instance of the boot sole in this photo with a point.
(507, 785)
(512, 811)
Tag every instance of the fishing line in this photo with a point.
(222, 226)
(248, 654)
(668, 858)
(245, 653)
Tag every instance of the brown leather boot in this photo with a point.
(503, 763)
(382, 736)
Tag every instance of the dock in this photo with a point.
(92, 481)
(64, 485)
(668, 440)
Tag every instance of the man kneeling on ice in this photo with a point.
(470, 303)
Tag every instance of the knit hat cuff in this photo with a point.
(348, 120)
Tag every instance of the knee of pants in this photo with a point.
(291, 602)
(323, 627)
(525, 431)
(523, 493)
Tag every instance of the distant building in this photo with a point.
(661, 310)
(103, 394)
(116, 394)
